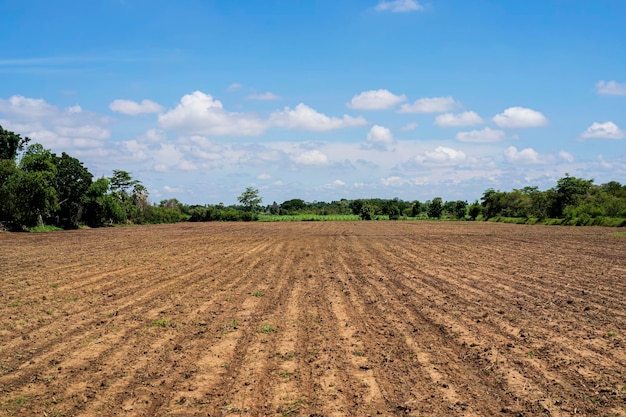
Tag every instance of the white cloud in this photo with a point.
(133, 108)
(566, 156)
(86, 131)
(264, 177)
(608, 130)
(393, 181)
(234, 87)
(442, 155)
(399, 6)
(28, 108)
(60, 129)
(525, 156)
(430, 105)
(268, 96)
(303, 117)
(409, 127)
(467, 118)
(200, 113)
(611, 88)
(334, 185)
(152, 136)
(379, 135)
(520, 117)
(169, 189)
(313, 157)
(485, 135)
(375, 100)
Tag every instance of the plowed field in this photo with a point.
(314, 319)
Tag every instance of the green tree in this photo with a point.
(435, 208)
(71, 182)
(10, 144)
(250, 199)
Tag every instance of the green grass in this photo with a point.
(267, 328)
(160, 323)
(43, 229)
(308, 218)
(258, 294)
(619, 234)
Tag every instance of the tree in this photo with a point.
(71, 183)
(10, 144)
(250, 199)
(435, 208)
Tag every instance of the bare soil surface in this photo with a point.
(314, 319)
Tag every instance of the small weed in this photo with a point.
(15, 304)
(289, 355)
(267, 328)
(285, 375)
(160, 323)
(74, 298)
(531, 354)
(226, 365)
(290, 408)
(313, 352)
(20, 401)
(611, 334)
(54, 286)
(230, 326)
(358, 353)
(228, 299)
(624, 387)
(258, 294)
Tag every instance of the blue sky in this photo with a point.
(321, 99)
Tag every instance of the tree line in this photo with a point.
(38, 187)
(45, 188)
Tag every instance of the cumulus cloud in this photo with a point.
(314, 157)
(467, 118)
(133, 108)
(611, 88)
(485, 135)
(519, 117)
(409, 127)
(334, 185)
(442, 155)
(375, 100)
(566, 156)
(200, 113)
(608, 130)
(399, 6)
(152, 136)
(525, 156)
(303, 117)
(393, 181)
(430, 105)
(267, 96)
(379, 135)
(58, 128)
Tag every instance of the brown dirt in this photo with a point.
(314, 319)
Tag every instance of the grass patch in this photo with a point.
(308, 218)
(611, 334)
(160, 323)
(74, 298)
(43, 229)
(258, 294)
(267, 328)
